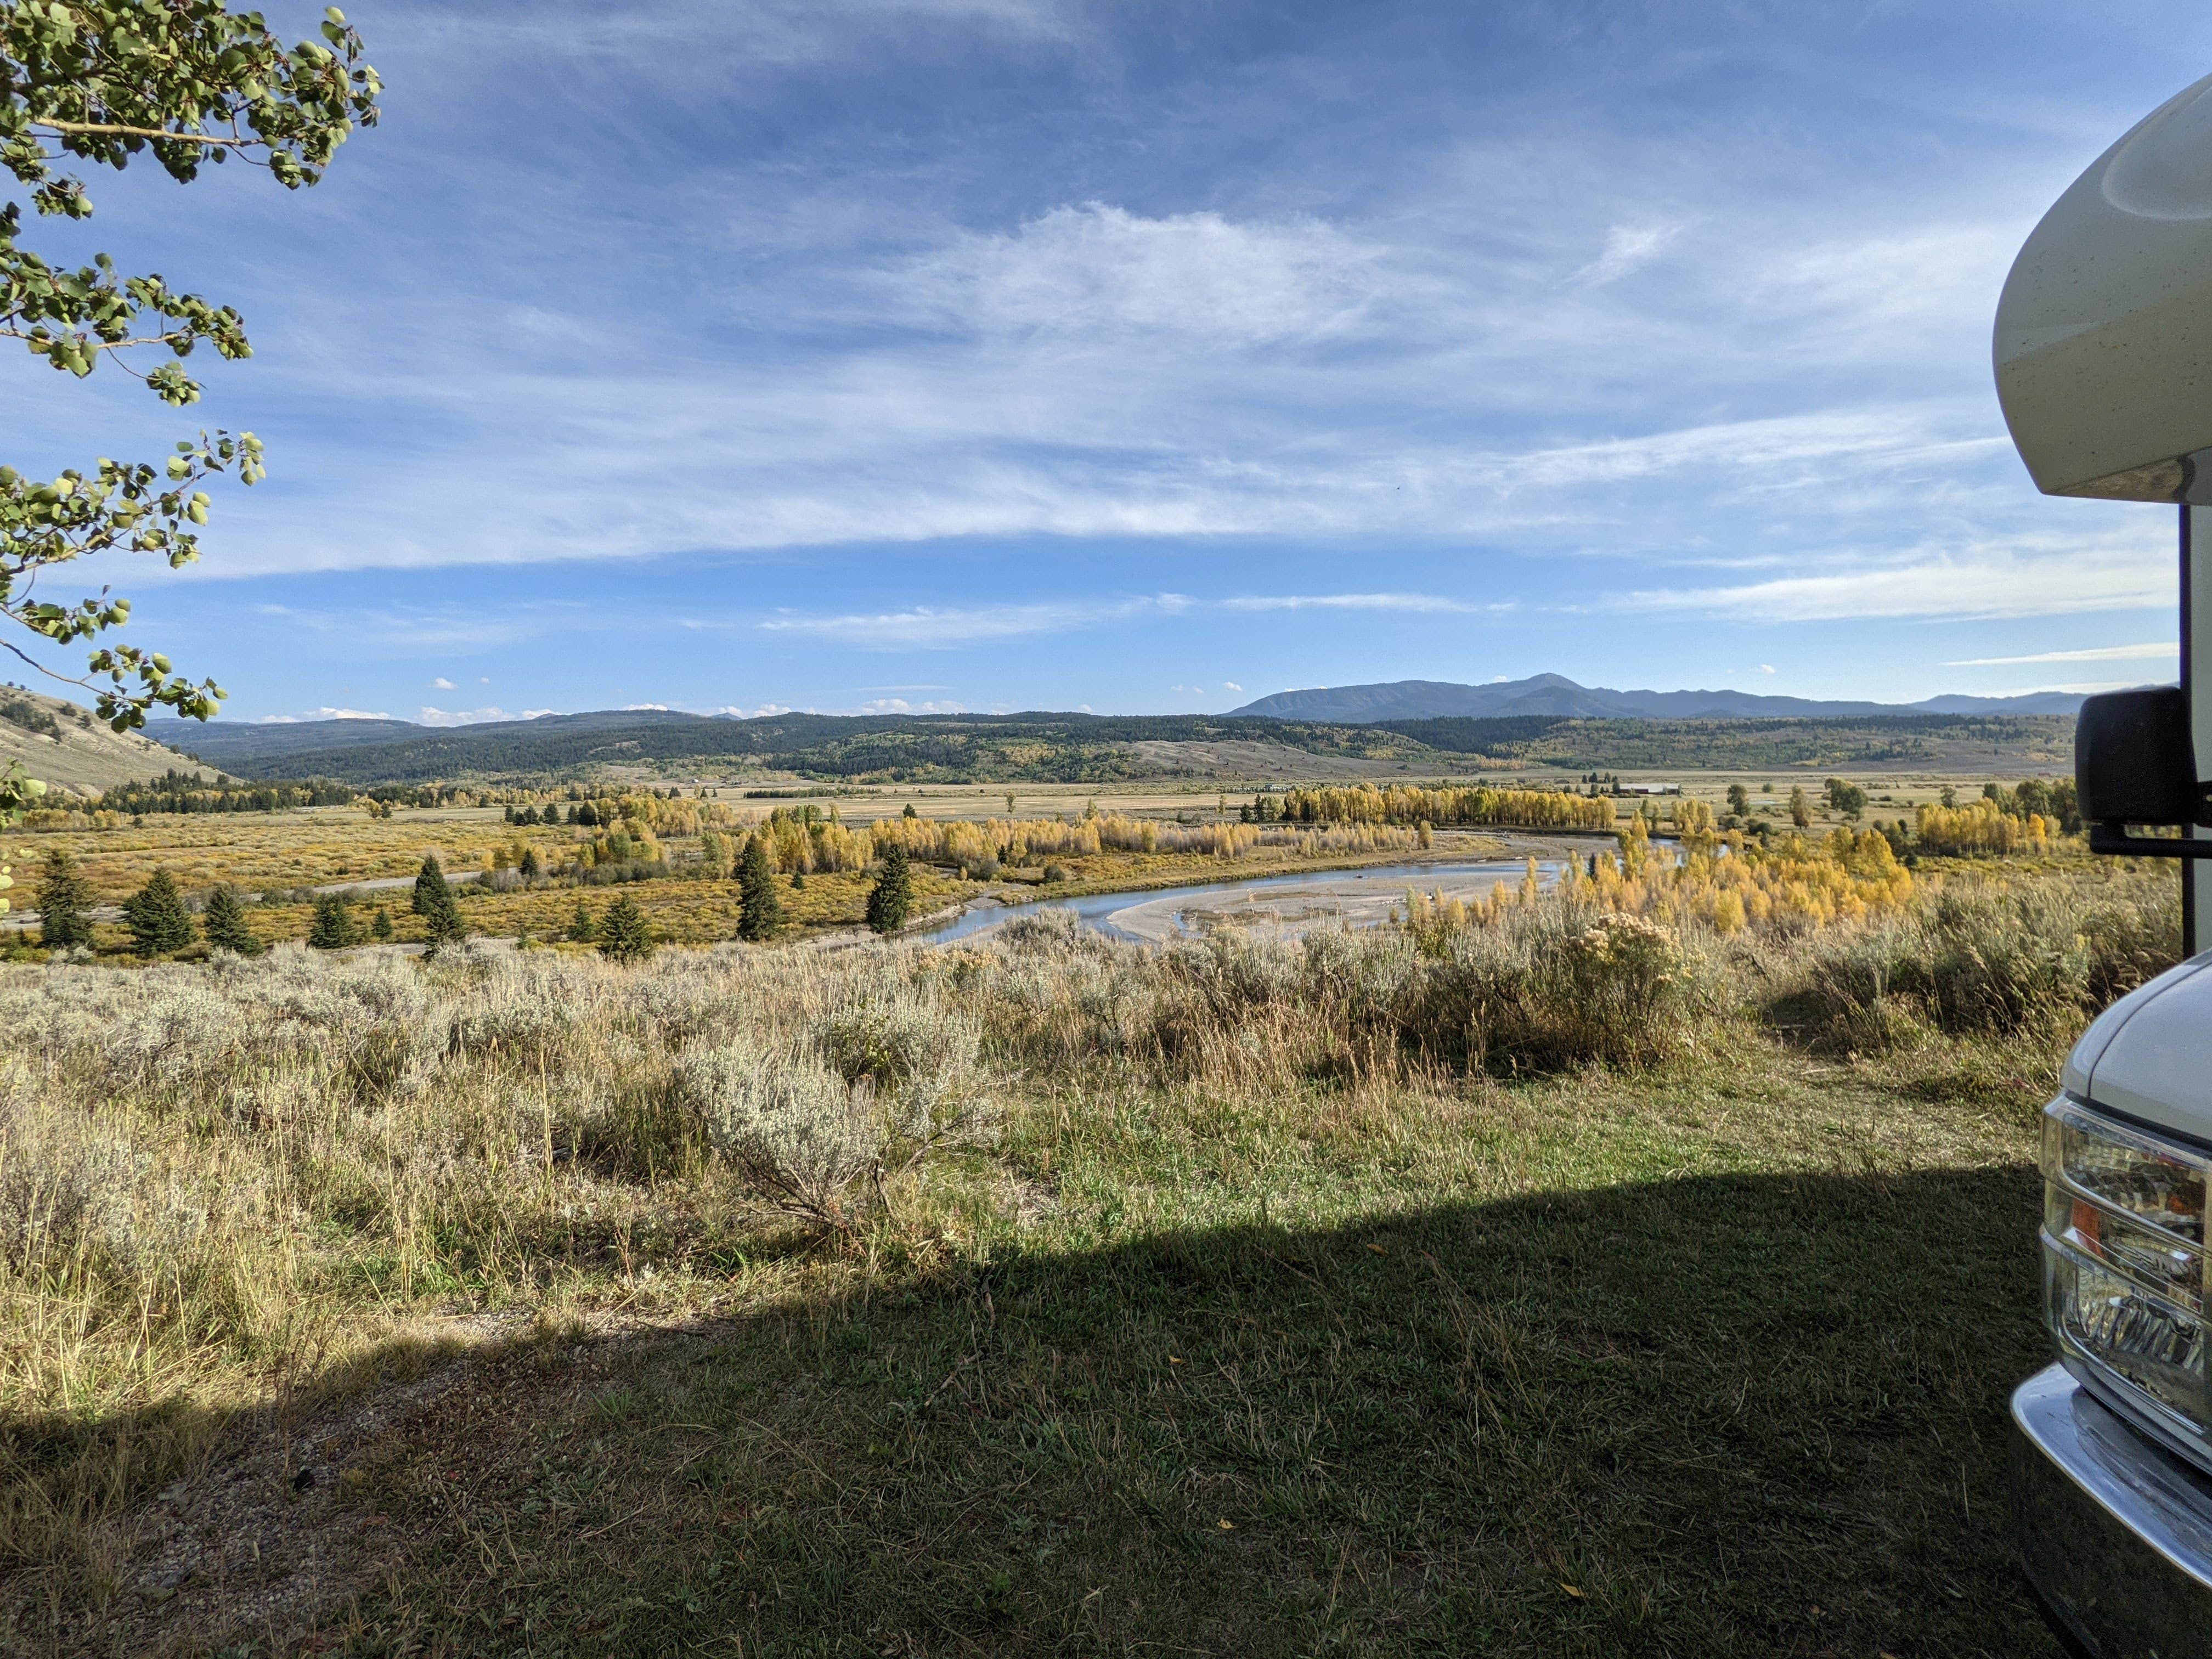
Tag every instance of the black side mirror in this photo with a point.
(2134, 763)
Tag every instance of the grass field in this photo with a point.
(1236, 1299)
(279, 853)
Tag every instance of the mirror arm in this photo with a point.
(2114, 838)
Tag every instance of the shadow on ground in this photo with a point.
(1749, 1414)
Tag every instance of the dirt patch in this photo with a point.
(286, 1526)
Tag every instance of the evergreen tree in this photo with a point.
(583, 929)
(760, 911)
(380, 927)
(531, 869)
(892, 897)
(799, 881)
(156, 916)
(623, 936)
(334, 927)
(433, 903)
(225, 923)
(431, 891)
(62, 902)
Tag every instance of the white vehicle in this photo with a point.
(2104, 364)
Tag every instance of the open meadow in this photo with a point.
(1639, 1266)
(677, 853)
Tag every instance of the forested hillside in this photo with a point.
(1063, 748)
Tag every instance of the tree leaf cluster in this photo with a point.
(98, 83)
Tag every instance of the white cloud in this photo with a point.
(1101, 271)
(442, 684)
(928, 628)
(2033, 579)
(1231, 685)
(430, 716)
(1414, 602)
(1627, 248)
(901, 706)
(2145, 652)
(1766, 668)
(324, 713)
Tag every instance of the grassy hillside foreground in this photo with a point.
(1559, 1284)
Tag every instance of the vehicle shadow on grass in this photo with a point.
(1734, 1414)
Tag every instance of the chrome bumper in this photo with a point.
(2115, 1531)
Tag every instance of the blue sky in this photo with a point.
(1008, 354)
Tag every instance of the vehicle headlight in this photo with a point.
(2123, 1259)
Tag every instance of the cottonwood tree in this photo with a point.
(100, 84)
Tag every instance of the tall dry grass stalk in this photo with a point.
(220, 1185)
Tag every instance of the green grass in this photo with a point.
(1713, 1365)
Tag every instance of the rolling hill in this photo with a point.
(1555, 693)
(69, 748)
(1074, 747)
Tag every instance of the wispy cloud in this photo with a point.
(2144, 653)
(929, 628)
(1970, 583)
(1097, 270)
(1627, 248)
(1413, 602)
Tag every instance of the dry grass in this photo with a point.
(1061, 1243)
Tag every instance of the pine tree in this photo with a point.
(156, 916)
(799, 881)
(380, 926)
(892, 897)
(431, 892)
(760, 911)
(623, 936)
(531, 868)
(334, 927)
(433, 903)
(225, 923)
(61, 900)
(582, 928)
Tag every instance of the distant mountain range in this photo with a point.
(1555, 693)
(1382, 730)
